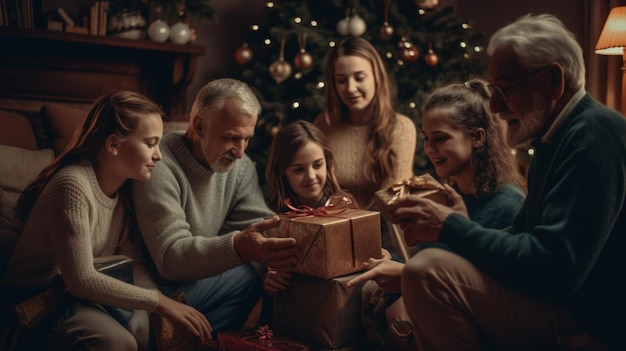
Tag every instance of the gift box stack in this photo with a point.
(318, 307)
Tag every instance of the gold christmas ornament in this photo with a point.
(280, 69)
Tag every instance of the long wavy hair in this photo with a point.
(467, 108)
(285, 145)
(383, 161)
(115, 113)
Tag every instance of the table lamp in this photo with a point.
(612, 41)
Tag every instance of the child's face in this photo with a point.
(306, 174)
(447, 147)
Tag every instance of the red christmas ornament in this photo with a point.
(386, 30)
(409, 54)
(431, 58)
(303, 60)
(244, 54)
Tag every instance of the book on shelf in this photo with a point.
(98, 13)
(20, 13)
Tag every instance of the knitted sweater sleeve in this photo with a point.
(72, 212)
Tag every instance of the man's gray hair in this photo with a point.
(212, 97)
(539, 40)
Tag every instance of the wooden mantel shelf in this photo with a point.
(42, 65)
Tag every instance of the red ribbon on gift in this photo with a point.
(334, 205)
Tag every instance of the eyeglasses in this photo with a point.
(501, 91)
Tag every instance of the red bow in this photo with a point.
(334, 205)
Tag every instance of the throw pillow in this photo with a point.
(60, 122)
(19, 168)
(16, 130)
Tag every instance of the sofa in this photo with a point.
(29, 140)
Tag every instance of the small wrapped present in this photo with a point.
(332, 243)
(424, 186)
(323, 312)
(261, 339)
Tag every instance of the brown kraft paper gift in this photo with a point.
(423, 186)
(319, 311)
(334, 244)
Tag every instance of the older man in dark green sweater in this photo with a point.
(553, 279)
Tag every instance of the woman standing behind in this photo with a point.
(374, 145)
(78, 209)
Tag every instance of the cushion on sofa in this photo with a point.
(60, 122)
(16, 130)
(19, 167)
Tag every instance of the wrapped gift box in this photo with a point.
(249, 340)
(333, 245)
(423, 186)
(324, 312)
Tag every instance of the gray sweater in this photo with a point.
(187, 214)
(72, 222)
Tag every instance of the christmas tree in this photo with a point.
(283, 59)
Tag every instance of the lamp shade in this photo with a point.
(612, 39)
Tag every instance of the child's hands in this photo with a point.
(275, 281)
(385, 272)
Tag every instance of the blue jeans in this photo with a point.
(226, 299)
